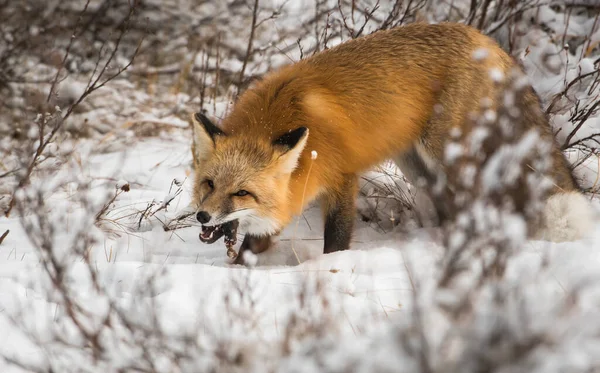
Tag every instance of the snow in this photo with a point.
(496, 75)
(368, 287)
(452, 152)
(586, 66)
(480, 54)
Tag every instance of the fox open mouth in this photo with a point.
(211, 234)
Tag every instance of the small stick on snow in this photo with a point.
(4, 236)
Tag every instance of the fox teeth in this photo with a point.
(209, 236)
(208, 232)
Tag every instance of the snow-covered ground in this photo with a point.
(116, 292)
(191, 288)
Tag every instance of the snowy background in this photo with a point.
(100, 270)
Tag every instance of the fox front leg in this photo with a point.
(256, 244)
(339, 211)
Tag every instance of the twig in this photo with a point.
(582, 121)
(8, 173)
(568, 87)
(104, 208)
(484, 10)
(249, 48)
(144, 214)
(368, 15)
(217, 74)
(67, 51)
(392, 14)
(4, 236)
(472, 12)
(512, 15)
(592, 137)
(300, 48)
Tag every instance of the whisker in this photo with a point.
(238, 210)
(219, 218)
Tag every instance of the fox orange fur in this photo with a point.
(355, 105)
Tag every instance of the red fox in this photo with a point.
(353, 106)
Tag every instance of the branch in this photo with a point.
(8, 173)
(484, 10)
(4, 236)
(249, 48)
(67, 52)
(367, 13)
(515, 13)
(569, 86)
(580, 124)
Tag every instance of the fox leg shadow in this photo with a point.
(339, 212)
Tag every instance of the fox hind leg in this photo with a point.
(430, 209)
(339, 211)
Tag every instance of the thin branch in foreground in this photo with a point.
(4, 236)
(249, 48)
(67, 51)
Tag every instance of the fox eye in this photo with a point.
(210, 184)
(241, 193)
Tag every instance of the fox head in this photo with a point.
(240, 176)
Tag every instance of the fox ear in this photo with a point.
(290, 146)
(205, 135)
(207, 126)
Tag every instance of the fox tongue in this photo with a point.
(207, 232)
(211, 234)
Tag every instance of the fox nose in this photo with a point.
(203, 217)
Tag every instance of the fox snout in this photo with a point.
(203, 217)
